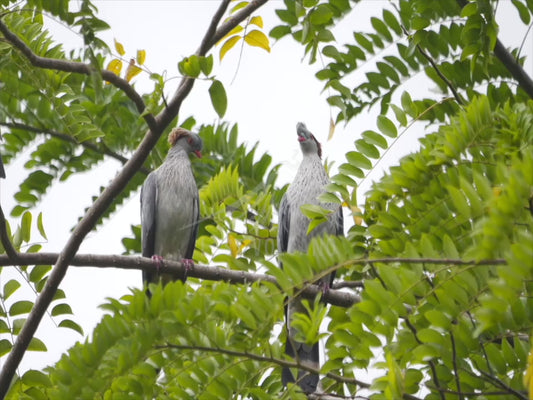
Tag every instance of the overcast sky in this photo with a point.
(268, 93)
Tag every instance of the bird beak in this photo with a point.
(302, 132)
(198, 153)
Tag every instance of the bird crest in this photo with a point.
(175, 134)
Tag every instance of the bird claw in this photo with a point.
(158, 261)
(324, 287)
(188, 264)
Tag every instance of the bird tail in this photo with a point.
(305, 355)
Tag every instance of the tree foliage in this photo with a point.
(441, 255)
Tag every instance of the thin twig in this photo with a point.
(279, 362)
(260, 358)
(455, 368)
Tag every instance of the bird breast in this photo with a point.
(307, 186)
(176, 202)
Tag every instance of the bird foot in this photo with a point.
(188, 264)
(324, 287)
(158, 261)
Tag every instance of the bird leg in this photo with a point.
(188, 264)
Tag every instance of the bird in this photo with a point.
(170, 210)
(307, 186)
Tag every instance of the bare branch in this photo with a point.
(67, 138)
(205, 272)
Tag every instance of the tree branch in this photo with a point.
(156, 127)
(279, 362)
(205, 272)
(73, 67)
(260, 358)
(67, 138)
(12, 254)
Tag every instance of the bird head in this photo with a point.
(191, 142)
(308, 142)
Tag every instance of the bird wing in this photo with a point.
(284, 222)
(148, 218)
(194, 231)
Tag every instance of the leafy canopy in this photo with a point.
(445, 307)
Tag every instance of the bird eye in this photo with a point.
(189, 140)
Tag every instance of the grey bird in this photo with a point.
(170, 207)
(307, 185)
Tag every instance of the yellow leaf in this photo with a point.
(257, 21)
(258, 39)
(356, 213)
(233, 245)
(141, 56)
(232, 41)
(245, 243)
(240, 5)
(132, 70)
(234, 31)
(331, 128)
(115, 66)
(120, 48)
(497, 190)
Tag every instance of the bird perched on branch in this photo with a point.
(308, 184)
(170, 207)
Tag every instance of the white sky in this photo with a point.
(269, 95)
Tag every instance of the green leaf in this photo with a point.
(190, 66)
(36, 378)
(367, 149)
(206, 64)
(67, 323)
(36, 345)
(314, 211)
(10, 287)
(5, 347)
(392, 21)
(469, 9)
(38, 272)
(375, 138)
(279, 31)
(358, 160)
(25, 226)
(321, 15)
(438, 319)
(522, 11)
(61, 309)
(386, 126)
(459, 201)
(218, 98)
(20, 307)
